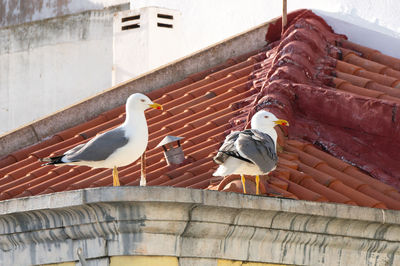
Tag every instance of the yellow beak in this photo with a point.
(156, 106)
(281, 122)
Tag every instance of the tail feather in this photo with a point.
(220, 158)
(52, 160)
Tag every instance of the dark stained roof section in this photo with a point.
(340, 98)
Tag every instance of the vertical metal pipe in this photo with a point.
(284, 15)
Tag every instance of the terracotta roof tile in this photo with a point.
(24, 153)
(69, 133)
(38, 185)
(88, 179)
(5, 162)
(329, 159)
(365, 63)
(193, 171)
(7, 170)
(373, 54)
(276, 191)
(303, 192)
(328, 193)
(294, 73)
(18, 186)
(201, 185)
(24, 170)
(58, 146)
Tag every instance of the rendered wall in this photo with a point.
(13, 12)
(225, 18)
(144, 39)
(50, 64)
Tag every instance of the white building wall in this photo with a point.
(206, 22)
(145, 39)
(13, 12)
(51, 64)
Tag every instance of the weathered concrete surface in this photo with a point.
(93, 262)
(187, 223)
(197, 261)
(50, 64)
(116, 96)
(13, 12)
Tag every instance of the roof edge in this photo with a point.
(194, 223)
(115, 96)
(218, 199)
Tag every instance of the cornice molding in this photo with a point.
(113, 221)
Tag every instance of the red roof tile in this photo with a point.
(340, 98)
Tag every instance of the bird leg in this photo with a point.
(243, 183)
(115, 177)
(143, 170)
(257, 184)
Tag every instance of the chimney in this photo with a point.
(144, 39)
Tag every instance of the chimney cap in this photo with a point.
(168, 139)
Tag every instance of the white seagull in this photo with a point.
(117, 147)
(251, 151)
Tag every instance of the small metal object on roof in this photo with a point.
(173, 155)
(167, 140)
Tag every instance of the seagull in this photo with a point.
(251, 151)
(117, 147)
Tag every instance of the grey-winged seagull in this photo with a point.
(117, 147)
(251, 151)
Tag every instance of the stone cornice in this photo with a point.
(111, 221)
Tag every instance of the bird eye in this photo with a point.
(265, 116)
(142, 100)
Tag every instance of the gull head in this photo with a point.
(265, 121)
(139, 101)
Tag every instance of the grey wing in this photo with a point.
(100, 147)
(259, 148)
(226, 147)
(74, 149)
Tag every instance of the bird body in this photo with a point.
(121, 156)
(234, 166)
(127, 154)
(251, 151)
(117, 147)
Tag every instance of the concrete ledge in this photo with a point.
(187, 223)
(88, 109)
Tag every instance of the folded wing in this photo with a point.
(99, 148)
(249, 145)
